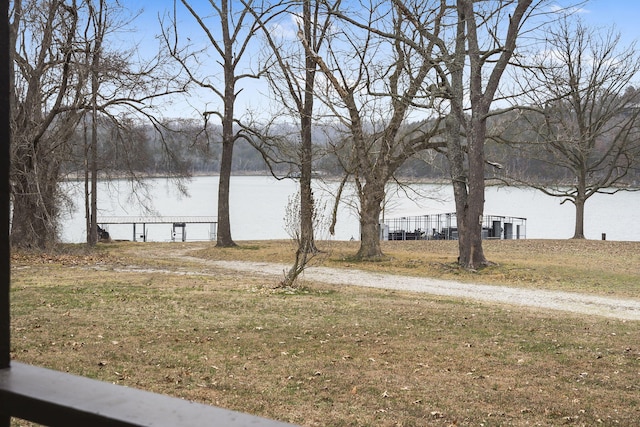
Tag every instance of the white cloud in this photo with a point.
(570, 10)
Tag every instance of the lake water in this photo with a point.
(258, 209)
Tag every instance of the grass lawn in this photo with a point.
(138, 315)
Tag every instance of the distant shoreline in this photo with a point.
(331, 178)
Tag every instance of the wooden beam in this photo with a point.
(5, 138)
(56, 398)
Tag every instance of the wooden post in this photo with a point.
(5, 250)
(5, 137)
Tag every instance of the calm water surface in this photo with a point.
(259, 205)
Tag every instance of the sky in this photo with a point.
(624, 15)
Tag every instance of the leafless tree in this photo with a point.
(229, 31)
(295, 82)
(374, 82)
(47, 95)
(488, 59)
(121, 88)
(291, 72)
(583, 113)
(472, 58)
(97, 20)
(64, 73)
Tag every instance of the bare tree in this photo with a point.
(487, 63)
(47, 96)
(294, 82)
(291, 72)
(229, 33)
(584, 114)
(98, 19)
(470, 64)
(374, 82)
(121, 90)
(64, 73)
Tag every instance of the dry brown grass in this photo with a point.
(340, 356)
(598, 267)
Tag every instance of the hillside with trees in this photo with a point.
(197, 156)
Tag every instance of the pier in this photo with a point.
(178, 224)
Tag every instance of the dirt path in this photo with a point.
(625, 309)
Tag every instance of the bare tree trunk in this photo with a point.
(307, 210)
(87, 180)
(459, 180)
(93, 164)
(371, 199)
(579, 201)
(99, 29)
(579, 229)
(286, 82)
(307, 240)
(224, 239)
(475, 211)
(228, 138)
(455, 150)
(483, 85)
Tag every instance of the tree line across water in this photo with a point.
(145, 155)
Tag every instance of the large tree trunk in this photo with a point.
(35, 201)
(483, 85)
(579, 228)
(458, 162)
(224, 223)
(459, 180)
(228, 138)
(224, 239)
(473, 256)
(468, 190)
(579, 200)
(307, 241)
(371, 199)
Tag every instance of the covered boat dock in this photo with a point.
(444, 227)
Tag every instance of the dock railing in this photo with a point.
(178, 223)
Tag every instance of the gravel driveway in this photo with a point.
(625, 309)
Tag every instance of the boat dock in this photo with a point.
(178, 223)
(444, 227)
